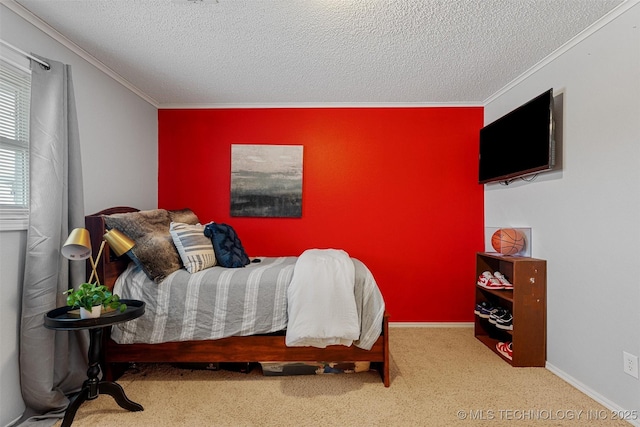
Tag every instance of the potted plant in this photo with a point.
(91, 297)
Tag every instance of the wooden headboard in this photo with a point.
(108, 266)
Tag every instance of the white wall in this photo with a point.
(586, 217)
(119, 140)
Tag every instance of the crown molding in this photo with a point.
(583, 35)
(320, 105)
(50, 31)
(54, 34)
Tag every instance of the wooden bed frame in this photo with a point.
(253, 348)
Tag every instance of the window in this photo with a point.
(15, 93)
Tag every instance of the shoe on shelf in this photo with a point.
(488, 281)
(484, 309)
(498, 312)
(505, 349)
(505, 322)
(503, 280)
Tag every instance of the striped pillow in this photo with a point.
(195, 249)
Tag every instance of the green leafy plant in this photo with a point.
(89, 295)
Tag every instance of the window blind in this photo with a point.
(15, 94)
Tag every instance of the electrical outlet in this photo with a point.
(630, 364)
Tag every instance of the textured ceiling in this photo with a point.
(319, 52)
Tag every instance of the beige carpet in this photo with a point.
(439, 377)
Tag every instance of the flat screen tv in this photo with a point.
(519, 143)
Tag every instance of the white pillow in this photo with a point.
(195, 249)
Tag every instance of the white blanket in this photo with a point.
(321, 303)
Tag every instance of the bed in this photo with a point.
(247, 342)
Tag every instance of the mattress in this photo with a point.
(221, 302)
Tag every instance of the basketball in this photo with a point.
(508, 241)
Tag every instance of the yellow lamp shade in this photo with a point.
(119, 242)
(78, 245)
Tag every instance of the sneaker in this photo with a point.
(498, 314)
(505, 349)
(505, 322)
(503, 280)
(488, 281)
(484, 309)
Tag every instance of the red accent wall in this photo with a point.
(394, 187)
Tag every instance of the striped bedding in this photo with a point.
(220, 302)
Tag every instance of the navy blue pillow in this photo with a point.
(226, 245)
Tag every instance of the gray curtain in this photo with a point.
(52, 363)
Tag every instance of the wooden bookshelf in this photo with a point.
(526, 301)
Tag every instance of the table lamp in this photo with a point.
(119, 242)
(78, 247)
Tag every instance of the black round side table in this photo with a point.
(61, 319)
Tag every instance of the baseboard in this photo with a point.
(590, 392)
(431, 324)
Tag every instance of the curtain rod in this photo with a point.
(25, 54)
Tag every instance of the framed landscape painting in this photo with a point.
(266, 180)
